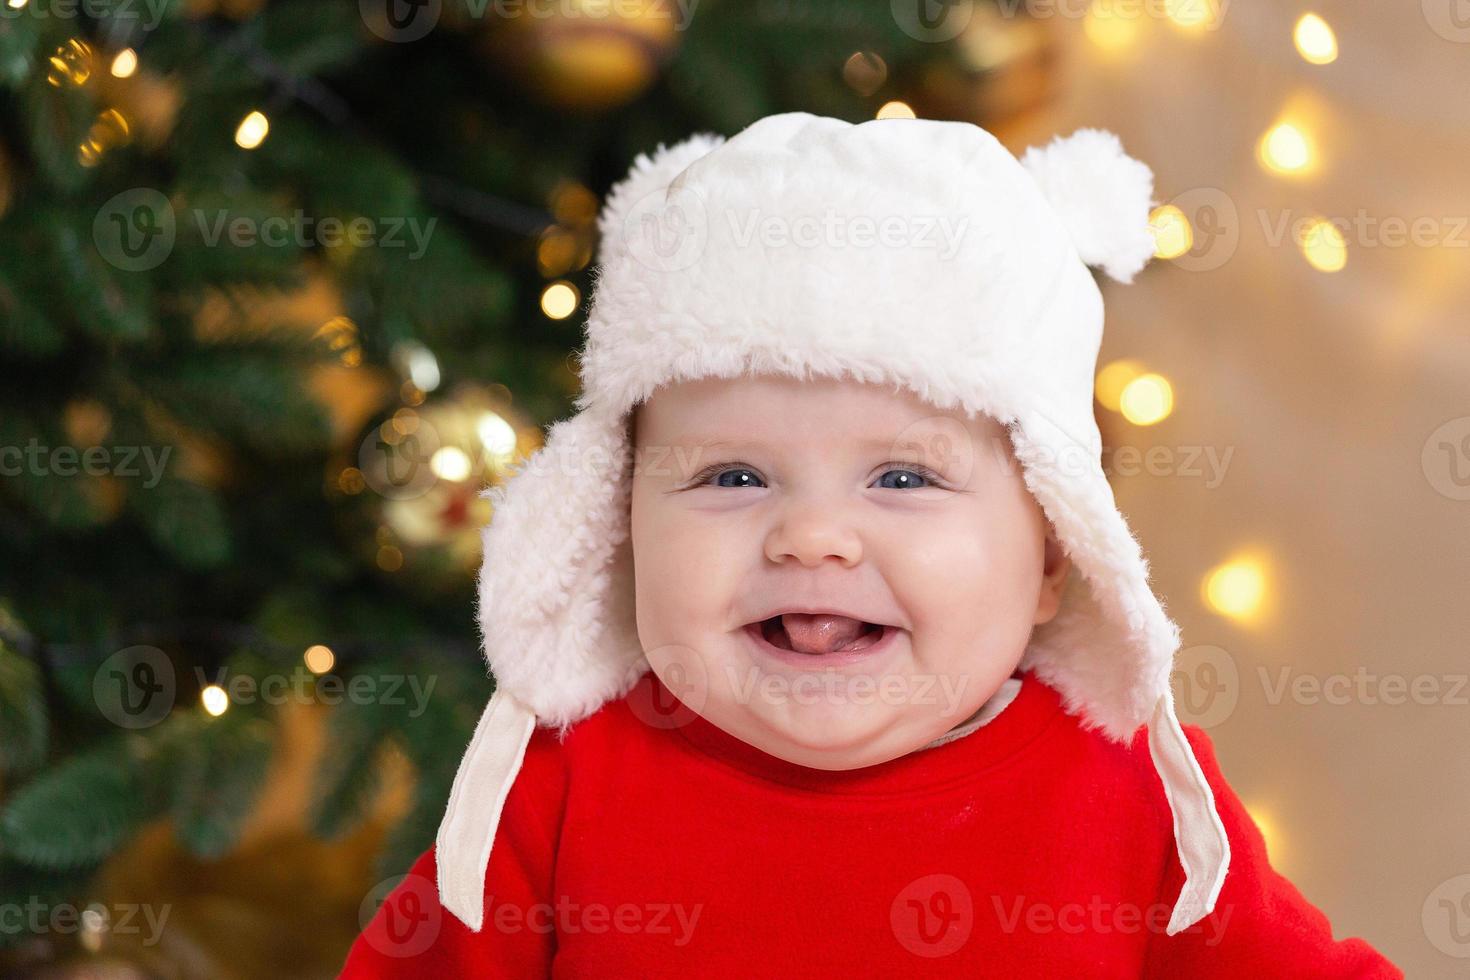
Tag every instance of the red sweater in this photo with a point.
(1029, 848)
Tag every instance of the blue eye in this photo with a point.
(910, 475)
(745, 478)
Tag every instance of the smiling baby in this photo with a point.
(820, 646)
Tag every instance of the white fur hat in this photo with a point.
(972, 290)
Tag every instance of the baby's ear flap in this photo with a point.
(648, 175)
(1102, 196)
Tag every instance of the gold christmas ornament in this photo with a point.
(586, 54)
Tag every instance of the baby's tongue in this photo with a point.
(818, 633)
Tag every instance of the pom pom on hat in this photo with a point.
(1102, 196)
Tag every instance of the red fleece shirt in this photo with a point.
(653, 844)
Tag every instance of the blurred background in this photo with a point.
(284, 284)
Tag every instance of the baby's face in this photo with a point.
(761, 496)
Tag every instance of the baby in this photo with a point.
(820, 646)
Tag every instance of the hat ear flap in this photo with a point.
(555, 590)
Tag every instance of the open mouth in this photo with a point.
(817, 634)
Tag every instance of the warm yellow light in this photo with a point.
(895, 110)
(1266, 823)
(214, 699)
(1324, 246)
(1236, 589)
(496, 434)
(1107, 28)
(17, 4)
(1147, 399)
(252, 130)
(125, 63)
(1286, 149)
(1113, 378)
(1189, 14)
(560, 300)
(1315, 40)
(1172, 234)
(390, 559)
(450, 463)
(319, 659)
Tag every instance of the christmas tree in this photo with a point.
(284, 286)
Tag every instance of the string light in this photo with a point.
(1113, 378)
(71, 64)
(252, 130)
(895, 110)
(1266, 823)
(214, 699)
(1324, 246)
(865, 72)
(1106, 27)
(319, 659)
(1148, 399)
(450, 463)
(560, 300)
(496, 434)
(1315, 40)
(1236, 589)
(1192, 15)
(1172, 234)
(1286, 149)
(125, 63)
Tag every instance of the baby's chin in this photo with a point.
(835, 737)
